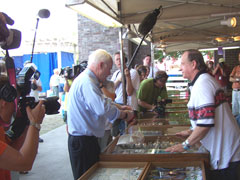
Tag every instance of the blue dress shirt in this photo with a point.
(88, 109)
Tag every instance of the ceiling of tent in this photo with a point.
(182, 24)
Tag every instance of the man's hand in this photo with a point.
(127, 72)
(152, 108)
(175, 148)
(130, 115)
(184, 134)
(125, 107)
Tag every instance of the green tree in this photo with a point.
(159, 54)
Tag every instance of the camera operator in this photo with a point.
(10, 158)
(221, 74)
(36, 86)
(149, 91)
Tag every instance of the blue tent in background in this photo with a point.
(46, 63)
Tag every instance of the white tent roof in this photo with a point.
(183, 24)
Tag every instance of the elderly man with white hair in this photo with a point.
(54, 82)
(88, 110)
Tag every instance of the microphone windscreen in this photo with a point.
(44, 13)
(148, 22)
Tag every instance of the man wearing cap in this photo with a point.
(150, 90)
(235, 79)
(221, 74)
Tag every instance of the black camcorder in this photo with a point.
(71, 73)
(24, 84)
(160, 107)
(11, 39)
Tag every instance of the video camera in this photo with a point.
(71, 73)
(160, 107)
(11, 39)
(24, 85)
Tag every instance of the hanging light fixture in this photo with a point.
(230, 22)
(129, 34)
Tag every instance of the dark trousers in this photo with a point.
(230, 173)
(84, 152)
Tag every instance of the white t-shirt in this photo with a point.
(54, 80)
(131, 100)
(208, 108)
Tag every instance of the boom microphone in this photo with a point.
(148, 22)
(44, 13)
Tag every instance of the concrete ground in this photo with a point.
(52, 161)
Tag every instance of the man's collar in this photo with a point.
(196, 77)
(92, 76)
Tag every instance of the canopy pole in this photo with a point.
(122, 67)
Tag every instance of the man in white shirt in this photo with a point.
(132, 85)
(54, 82)
(213, 123)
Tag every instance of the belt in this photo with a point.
(236, 89)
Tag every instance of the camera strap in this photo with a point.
(11, 73)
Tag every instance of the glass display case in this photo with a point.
(169, 119)
(156, 129)
(191, 170)
(116, 171)
(148, 148)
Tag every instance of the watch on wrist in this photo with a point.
(186, 145)
(36, 125)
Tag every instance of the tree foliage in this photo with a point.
(159, 54)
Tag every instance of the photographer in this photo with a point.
(10, 158)
(149, 91)
(221, 74)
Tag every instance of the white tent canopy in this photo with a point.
(183, 24)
